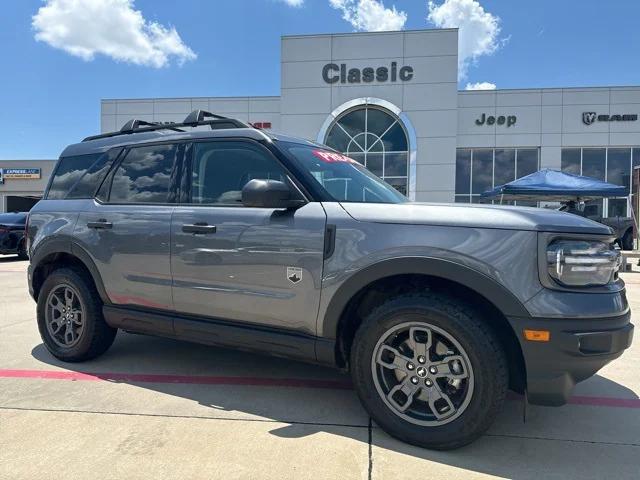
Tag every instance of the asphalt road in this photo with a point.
(157, 408)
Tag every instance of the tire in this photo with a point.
(626, 243)
(86, 335)
(22, 251)
(450, 323)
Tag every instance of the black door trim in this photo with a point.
(213, 331)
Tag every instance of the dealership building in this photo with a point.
(390, 100)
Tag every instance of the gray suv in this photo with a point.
(219, 233)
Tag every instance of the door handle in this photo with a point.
(199, 227)
(101, 224)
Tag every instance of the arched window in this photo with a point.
(377, 139)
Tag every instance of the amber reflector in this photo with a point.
(537, 335)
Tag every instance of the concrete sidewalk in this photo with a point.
(158, 408)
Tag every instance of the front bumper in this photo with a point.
(577, 349)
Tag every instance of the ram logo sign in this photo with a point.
(588, 117)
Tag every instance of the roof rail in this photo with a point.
(194, 119)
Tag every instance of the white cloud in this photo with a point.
(479, 30)
(293, 3)
(370, 15)
(480, 86)
(86, 28)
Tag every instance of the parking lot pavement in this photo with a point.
(158, 408)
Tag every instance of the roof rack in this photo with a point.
(194, 119)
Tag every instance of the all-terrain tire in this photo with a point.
(466, 326)
(96, 336)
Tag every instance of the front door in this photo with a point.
(252, 265)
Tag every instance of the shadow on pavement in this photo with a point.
(502, 452)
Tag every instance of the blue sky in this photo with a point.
(51, 98)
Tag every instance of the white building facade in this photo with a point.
(391, 101)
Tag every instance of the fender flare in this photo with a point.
(60, 245)
(482, 284)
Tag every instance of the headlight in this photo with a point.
(582, 263)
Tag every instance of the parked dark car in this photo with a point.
(622, 226)
(12, 238)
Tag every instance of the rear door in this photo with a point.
(127, 229)
(253, 265)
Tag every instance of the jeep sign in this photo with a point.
(500, 120)
(334, 73)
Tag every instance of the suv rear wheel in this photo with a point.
(70, 317)
(429, 371)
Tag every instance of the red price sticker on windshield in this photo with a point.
(332, 157)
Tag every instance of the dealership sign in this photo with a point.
(334, 73)
(507, 120)
(590, 117)
(19, 174)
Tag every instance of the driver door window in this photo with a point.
(220, 170)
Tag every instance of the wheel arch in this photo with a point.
(62, 253)
(409, 274)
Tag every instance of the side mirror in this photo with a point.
(268, 194)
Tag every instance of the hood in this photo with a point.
(476, 216)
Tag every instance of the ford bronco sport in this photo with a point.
(227, 235)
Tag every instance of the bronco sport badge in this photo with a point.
(294, 274)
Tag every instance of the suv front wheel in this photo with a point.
(428, 370)
(70, 317)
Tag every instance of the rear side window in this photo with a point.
(80, 176)
(144, 176)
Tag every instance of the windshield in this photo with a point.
(342, 177)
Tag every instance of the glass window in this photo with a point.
(570, 160)
(463, 171)
(395, 165)
(486, 168)
(617, 207)
(527, 161)
(593, 209)
(463, 199)
(375, 138)
(481, 170)
(619, 166)
(375, 162)
(71, 173)
(144, 176)
(354, 125)
(400, 184)
(505, 166)
(220, 170)
(344, 179)
(636, 157)
(593, 161)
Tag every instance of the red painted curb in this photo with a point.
(256, 382)
(178, 379)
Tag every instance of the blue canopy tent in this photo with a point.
(553, 185)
